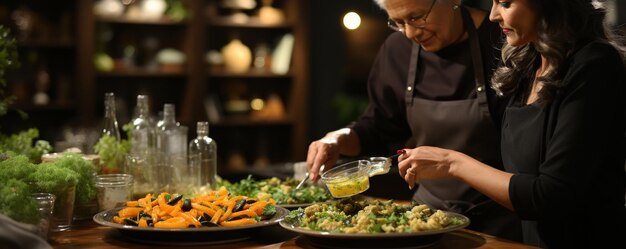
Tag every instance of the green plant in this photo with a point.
(8, 60)
(112, 152)
(22, 143)
(49, 178)
(86, 181)
(14, 201)
(15, 167)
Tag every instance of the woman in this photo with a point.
(562, 132)
(429, 86)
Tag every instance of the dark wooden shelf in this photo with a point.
(252, 73)
(141, 73)
(48, 107)
(253, 22)
(248, 121)
(125, 20)
(61, 44)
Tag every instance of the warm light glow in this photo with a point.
(351, 20)
(257, 104)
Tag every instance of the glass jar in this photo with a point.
(45, 206)
(114, 190)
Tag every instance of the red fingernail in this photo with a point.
(400, 151)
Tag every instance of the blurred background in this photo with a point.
(270, 76)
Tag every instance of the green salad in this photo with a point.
(373, 216)
(283, 191)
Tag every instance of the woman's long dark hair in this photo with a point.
(564, 27)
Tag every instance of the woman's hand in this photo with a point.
(327, 150)
(425, 163)
(321, 152)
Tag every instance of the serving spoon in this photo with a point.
(306, 176)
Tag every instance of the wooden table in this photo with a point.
(88, 234)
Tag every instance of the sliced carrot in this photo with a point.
(203, 209)
(215, 219)
(118, 220)
(129, 212)
(175, 222)
(190, 219)
(143, 223)
(246, 212)
(238, 222)
(132, 203)
(155, 214)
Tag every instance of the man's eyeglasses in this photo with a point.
(416, 22)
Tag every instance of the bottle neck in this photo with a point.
(202, 129)
(142, 108)
(109, 105)
(169, 114)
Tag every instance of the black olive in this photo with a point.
(204, 217)
(250, 201)
(130, 222)
(208, 223)
(175, 200)
(186, 205)
(239, 204)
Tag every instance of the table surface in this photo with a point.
(88, 234)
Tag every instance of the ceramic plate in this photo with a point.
(186, 236)
(376, 240)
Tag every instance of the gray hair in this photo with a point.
(381, 3)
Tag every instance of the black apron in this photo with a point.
(465, 126)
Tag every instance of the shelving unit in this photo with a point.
(279, 139)
(46, 43)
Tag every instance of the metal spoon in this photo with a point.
(306, 176)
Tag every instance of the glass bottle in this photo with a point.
(143, 135)
(173, 172)
(203, 155)
(142, 158)
(110, 127)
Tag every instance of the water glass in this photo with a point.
(114, 190)
(63, 211)
(45, 206)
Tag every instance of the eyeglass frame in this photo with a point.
(402, 27)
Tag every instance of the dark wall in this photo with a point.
(340, 59)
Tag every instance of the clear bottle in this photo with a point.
(142, 158)
(203, 155)
(143, 135)
(110, 127)
(173, 172)
(166, 130)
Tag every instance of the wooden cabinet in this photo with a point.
(45, 81)
(260, 136)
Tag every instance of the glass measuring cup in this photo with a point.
(348, 179)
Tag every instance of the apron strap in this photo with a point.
(477, 63)
(410, 81)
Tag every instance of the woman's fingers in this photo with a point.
(320, 153)
(409, 177)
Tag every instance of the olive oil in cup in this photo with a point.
(348, 179)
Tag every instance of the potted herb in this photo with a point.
(60, 181)
(86, 204)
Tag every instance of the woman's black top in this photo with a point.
(568, 157)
